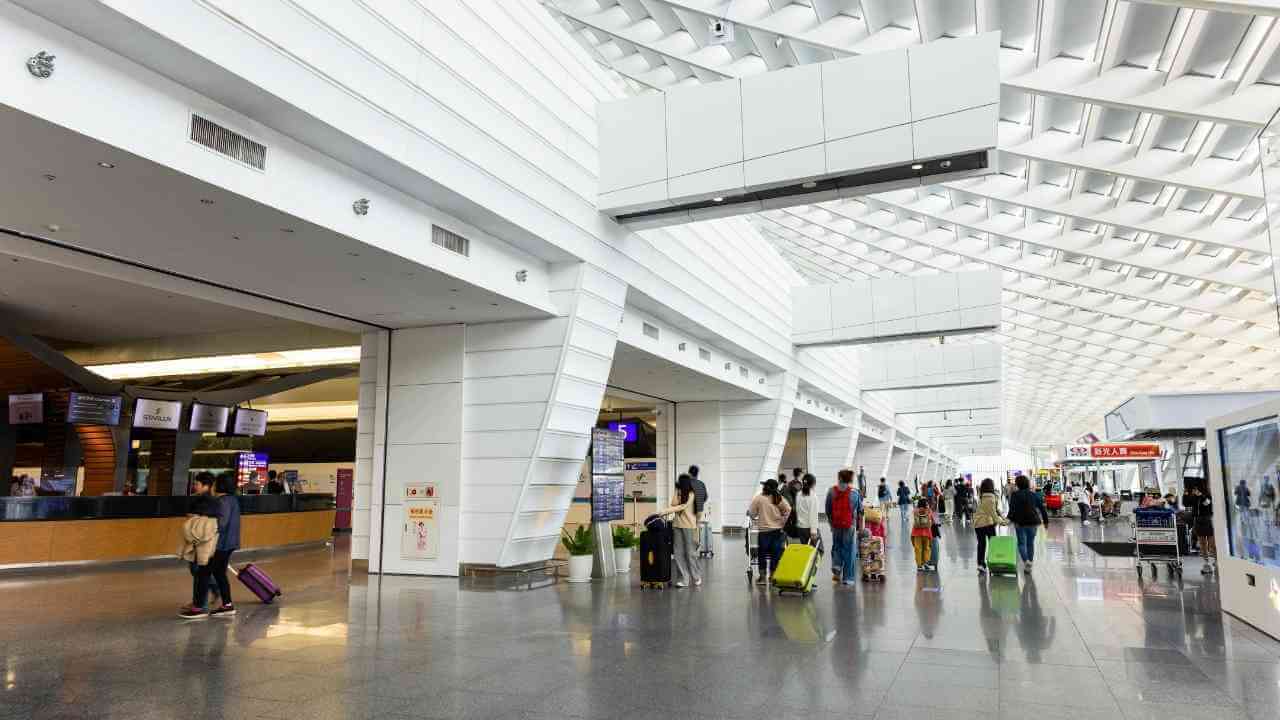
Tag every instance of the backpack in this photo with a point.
(841, 510)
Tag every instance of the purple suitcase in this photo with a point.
(258, 582)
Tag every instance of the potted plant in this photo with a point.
(580, 546)
(624, 539)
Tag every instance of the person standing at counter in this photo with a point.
(228, 542)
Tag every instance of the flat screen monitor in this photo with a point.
(249, 422)
(1250, 466)
(209, 418)
(87, 409)
(629, 428)
(26, 409)
(157, 414)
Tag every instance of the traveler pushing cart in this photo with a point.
(1155, 537)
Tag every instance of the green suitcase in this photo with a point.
(1002, 554)
(797, 569)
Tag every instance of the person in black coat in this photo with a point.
(1027, 512)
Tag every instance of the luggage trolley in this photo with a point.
(1155, 540)
(753, 547)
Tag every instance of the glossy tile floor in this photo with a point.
(1080, 639)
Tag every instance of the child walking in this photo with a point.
(922, 534)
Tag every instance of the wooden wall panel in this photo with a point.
(110, 540)
(99, 459)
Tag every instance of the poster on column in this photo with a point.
(421, 538)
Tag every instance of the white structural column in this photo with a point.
(900, 465)
(832, 450)
(370, 444)
(423, 444)
(698, 443)
(663, 478)
(874, 455)
(753, 434)
(533, 393)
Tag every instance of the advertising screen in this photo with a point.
(86, 409)
(1250, 454)
(209, 418)
(251, 469)
(157, 414)
(26, 409)
(249, 422)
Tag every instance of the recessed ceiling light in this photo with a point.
(235, 237)
(452, 307)
(107, 165)
(206, 201)
(809, 184)
(53, 228)
(917, 166)
(453, 289)
(286, 230)
(494, 304)
(717, 199)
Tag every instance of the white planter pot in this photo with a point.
(580, 568)
(622, 558)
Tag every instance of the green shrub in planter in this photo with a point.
(625, 537)
(581, 542)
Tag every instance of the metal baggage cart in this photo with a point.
(1155, 540)
(753, 546)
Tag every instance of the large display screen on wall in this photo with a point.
(86, 409)
(1250, 466)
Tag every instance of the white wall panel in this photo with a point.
(953, 75)
(781, 111)
(704, 127)
(879, 101)
(642, 159)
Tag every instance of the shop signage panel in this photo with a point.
(1079, 452)
(157, 414)
(251, 468)
(249, 422)
(26, 409)
(86, 409)
(209, 418)
(1125, 451)
(420, 539)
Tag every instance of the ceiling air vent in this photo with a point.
(451, 241)
(228, 142)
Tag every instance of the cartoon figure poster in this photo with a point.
(420, 539)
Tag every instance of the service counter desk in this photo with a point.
(38, 530)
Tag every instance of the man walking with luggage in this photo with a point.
(844, 505)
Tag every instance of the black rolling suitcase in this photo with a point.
(656, 544)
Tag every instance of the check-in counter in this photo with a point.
(39, 530)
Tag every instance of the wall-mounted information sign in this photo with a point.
(421, 538)
(608, 479)
(26, 409)
(86, 409)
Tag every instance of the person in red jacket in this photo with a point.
(844, 505)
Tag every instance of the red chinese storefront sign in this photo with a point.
(1124, 451)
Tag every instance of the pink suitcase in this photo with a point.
(258, 582)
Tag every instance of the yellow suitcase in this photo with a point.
(797, 569)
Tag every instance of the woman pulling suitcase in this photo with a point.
(770, 511)
(685, 525)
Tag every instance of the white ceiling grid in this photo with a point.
(1127, 213)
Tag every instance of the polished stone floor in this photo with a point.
(1081, 639)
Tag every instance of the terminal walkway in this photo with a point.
(1081, 639)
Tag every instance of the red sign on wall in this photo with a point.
(1125, 451)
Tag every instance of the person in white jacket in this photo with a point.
(807, 507)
